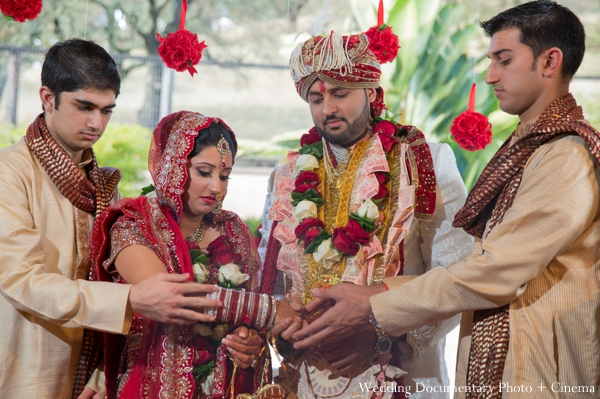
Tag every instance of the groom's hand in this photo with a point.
(349, 314)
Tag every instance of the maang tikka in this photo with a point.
(223, 148)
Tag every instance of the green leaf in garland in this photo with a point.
(386, 115)
(148, 189)
(382, 27)
(378, 201)
(203, 369)
(198, 257)
(311, 195)
(314, 149)
(322, 236)
(7, 18)
(365, 223)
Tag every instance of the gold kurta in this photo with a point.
(44, 308)
(543, 259)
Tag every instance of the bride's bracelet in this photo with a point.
(241, 307)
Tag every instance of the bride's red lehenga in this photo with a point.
(158, 360)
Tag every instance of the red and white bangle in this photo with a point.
(239, 306)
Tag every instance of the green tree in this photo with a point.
(126, 147)
(429, 82)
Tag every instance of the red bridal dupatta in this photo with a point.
(156, 360)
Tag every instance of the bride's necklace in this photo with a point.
(198, 234)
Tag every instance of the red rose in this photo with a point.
(20, 10)
(306, 225)
(181, 50)
(472, 131)
(385, 128)
(310, 235)
(386, 131)
(357, 233)
(343, 243)
(382, 193)
(383, 43)
(311, 137)
(302, 188)
(203, 351)
(381, 177)
(307, 176)
(220, 254)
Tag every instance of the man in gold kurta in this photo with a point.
(50, 190)
(355, 152)
(531, 287)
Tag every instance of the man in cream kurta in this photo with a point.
(50, 189)
(537, 253)
(43, 308)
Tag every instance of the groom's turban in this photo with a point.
(343, 61)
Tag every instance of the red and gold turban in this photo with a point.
(344, 61)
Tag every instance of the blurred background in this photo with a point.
(243, 77)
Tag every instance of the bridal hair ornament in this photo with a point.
(223, 148)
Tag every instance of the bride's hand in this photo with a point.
(289, 318)
(245, 346)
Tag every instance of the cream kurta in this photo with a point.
(429, 244)
(43, 309)
(543, 259)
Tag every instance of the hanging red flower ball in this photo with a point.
(181, 50)
(21, 10)
(383, 42)
(471, 130)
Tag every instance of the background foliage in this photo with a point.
(443, 51)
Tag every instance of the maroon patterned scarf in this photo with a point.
(91, 195)
(490, 198)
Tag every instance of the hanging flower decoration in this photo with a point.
(306, 199)
(471, 130)
(181, 50)
(383, 42)
(20, 10)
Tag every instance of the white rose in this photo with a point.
(208, 383)
(305, 209)
(327, 254)
(368, 209)
(200, 272)
(305, 162)
(230, 273)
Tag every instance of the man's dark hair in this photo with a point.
(544, 24)
(210, 137)
(78, 64)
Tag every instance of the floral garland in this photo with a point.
(218, 266)
(306, 198)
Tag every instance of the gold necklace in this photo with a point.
(198, 234)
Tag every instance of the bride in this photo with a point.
(182, 229)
